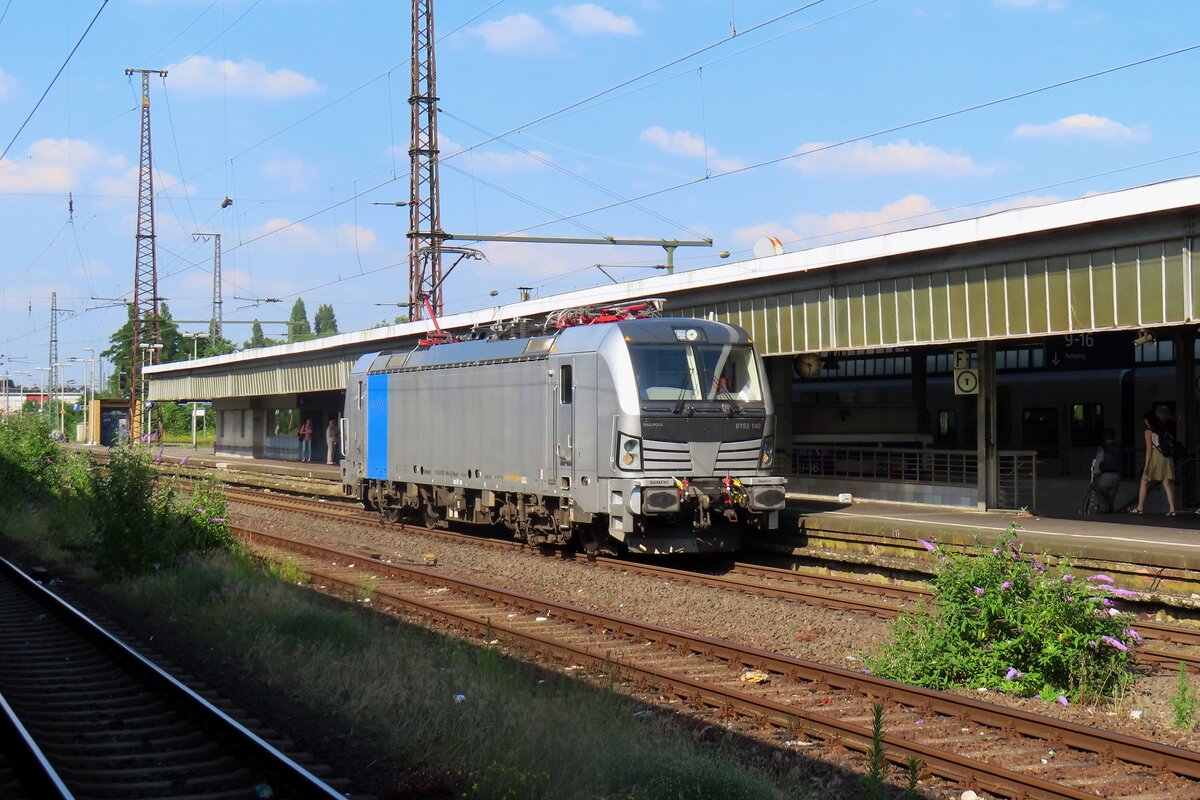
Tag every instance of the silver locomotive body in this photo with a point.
(657, 434)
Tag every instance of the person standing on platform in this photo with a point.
(306, 433)
(1158, 465)
(331, 439)
(1106, 469)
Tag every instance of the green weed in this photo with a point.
(1184, 702)
(873, 781)
(1000, 620)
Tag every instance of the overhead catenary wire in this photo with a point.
(759, 165)
(575, 175)
(53, 80)
(873, 134)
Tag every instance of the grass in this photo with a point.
(484, 725)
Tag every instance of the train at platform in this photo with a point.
(611, 430)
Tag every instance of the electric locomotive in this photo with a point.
(652, 435)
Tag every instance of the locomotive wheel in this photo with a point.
(430, 517)
(392, 513)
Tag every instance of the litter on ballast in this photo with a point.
(755, 676)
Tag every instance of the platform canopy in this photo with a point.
(1117, 261)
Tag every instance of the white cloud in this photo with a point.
(8, 86)
(913, 211)
(902, 157)
(686, 143)
(1083, 126)
(295, 237)
(245, 78)
(294, 173)
(124, 184)
(484, 160)
(519, 34)
(55, 165)
(589, 18)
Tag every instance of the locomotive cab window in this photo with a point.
(694, 372)
(566, 384)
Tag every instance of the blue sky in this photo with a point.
(650, 119)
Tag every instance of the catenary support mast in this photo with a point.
(145, 275)
(214, 325)
(53, 331)
(424, 214)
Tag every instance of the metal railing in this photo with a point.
(1016, 480)
(954, 467)
(1016, 469)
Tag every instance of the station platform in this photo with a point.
(1153, 541)
(1154, 552)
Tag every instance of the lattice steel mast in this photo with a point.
(214, 326)
(145, 276)
(53, 333)
(424, 215)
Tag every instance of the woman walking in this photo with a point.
(1158, 467)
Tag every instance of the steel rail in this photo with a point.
(857, 590)
(286, 775)
(1011, 722)
(28, 761)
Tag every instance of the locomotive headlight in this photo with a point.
(768, 452)
(629, 452)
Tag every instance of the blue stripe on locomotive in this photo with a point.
(377, 426)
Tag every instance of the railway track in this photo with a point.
(82, 715)
(1172, 644)
(977, 745)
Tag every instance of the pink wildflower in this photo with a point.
(1132, 634)
(1100, 579)
(979, 591)
(1006, 585)
(1128, 595)
(1114, 643)
(927, 545)
(1013, 674)
(1062, 701)
(183, 460)
(1068, 578)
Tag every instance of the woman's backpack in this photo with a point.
(1166, 444)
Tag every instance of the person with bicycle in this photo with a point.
(1106, 470)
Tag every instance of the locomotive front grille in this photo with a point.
(682, 459)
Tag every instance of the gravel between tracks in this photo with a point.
(828, 636)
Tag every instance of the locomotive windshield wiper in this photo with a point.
(728, 396)
(682, 392)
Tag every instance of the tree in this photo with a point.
(258, 339)
(118, 352)
(218, 347)
(298, 328)
(325, 321)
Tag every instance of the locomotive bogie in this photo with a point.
(572, 436)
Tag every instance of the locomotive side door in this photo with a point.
(564, 427)
(352, 426)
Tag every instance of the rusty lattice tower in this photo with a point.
(425, 233)
(144, 322)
